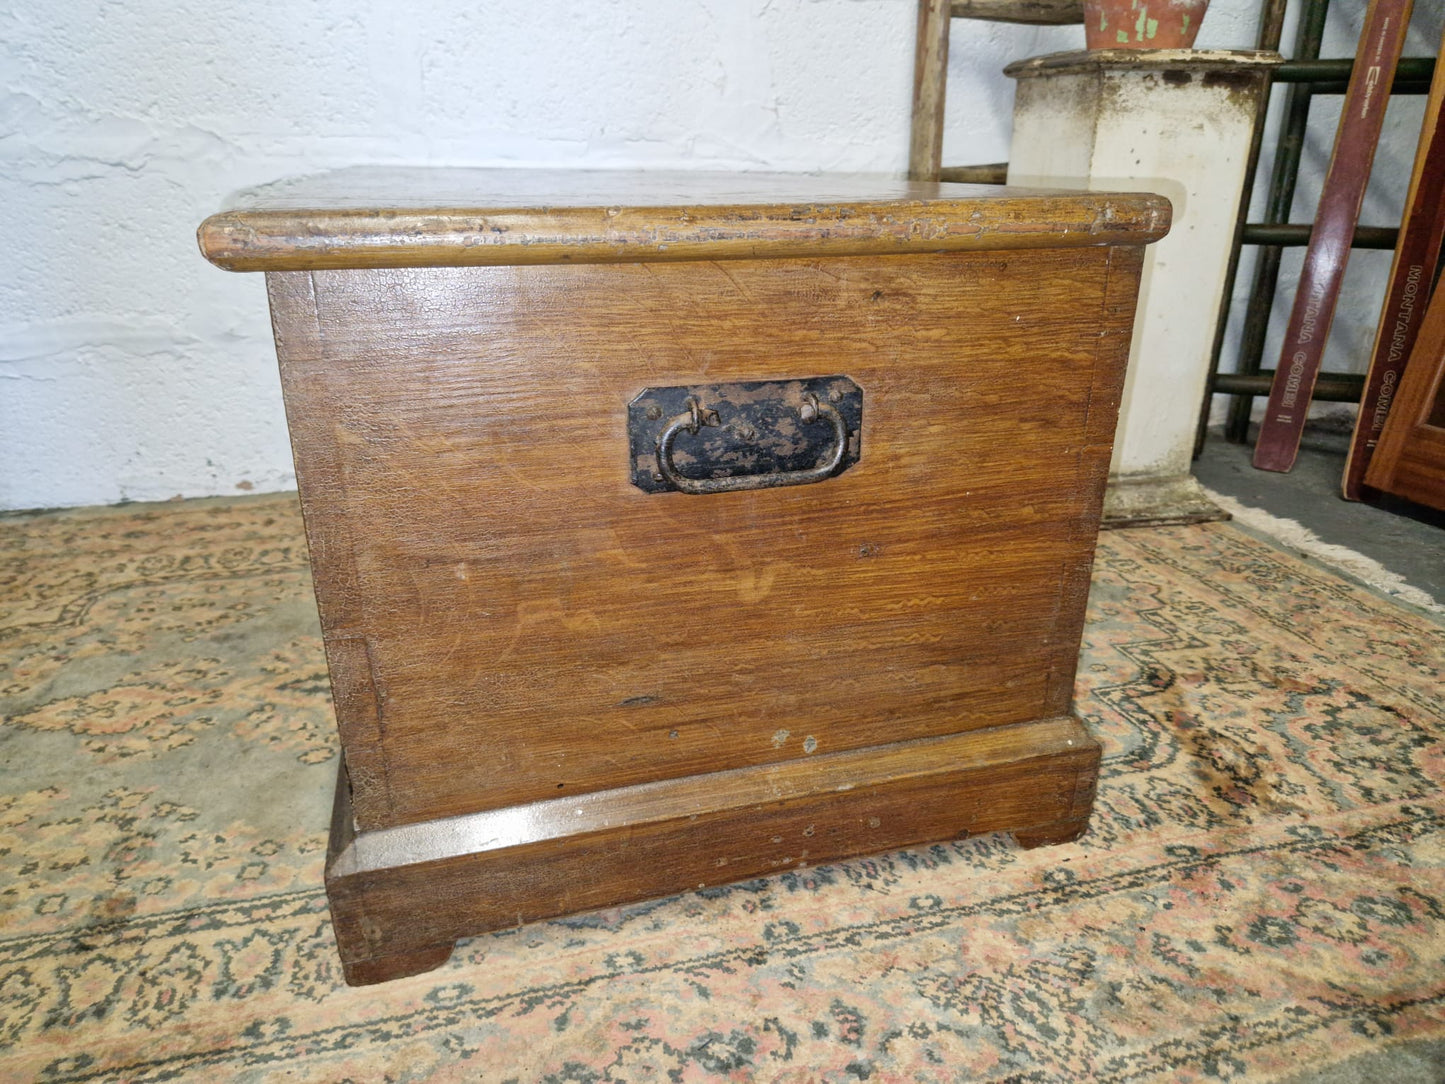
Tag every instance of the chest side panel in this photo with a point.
(509, 619)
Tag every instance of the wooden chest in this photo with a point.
(674, 529)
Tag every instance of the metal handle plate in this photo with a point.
(728, 437)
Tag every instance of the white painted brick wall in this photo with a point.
(132, 370)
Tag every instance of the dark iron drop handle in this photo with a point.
(698, 416)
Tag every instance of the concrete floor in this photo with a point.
(1407, 539)
(1421, 1061)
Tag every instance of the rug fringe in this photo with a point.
(1296, 536)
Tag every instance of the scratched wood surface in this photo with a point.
(401, 897)
(374, 217)
(507, 619)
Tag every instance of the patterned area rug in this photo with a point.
(1262, 891)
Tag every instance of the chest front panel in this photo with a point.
(508, 618)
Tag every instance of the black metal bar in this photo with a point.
(1281, 196)
(1294, 234)
(1411, 69)
(1398, 88)
(1331, 387)
(1271, 27)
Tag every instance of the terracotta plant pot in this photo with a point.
(1142, 24)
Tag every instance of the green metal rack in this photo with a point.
(1306, 76)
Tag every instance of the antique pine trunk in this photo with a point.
(674, 529)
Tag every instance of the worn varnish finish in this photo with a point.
(470, 433)
(557, 691)
(512, 866)
(400, 217)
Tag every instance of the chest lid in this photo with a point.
(378, 217)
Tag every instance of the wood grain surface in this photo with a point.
(930, 90)
(508, 619)
(401, 897)
(558, 692)
(1361, 118)
(1417, 255)
(383, 218)
(1409, 460)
